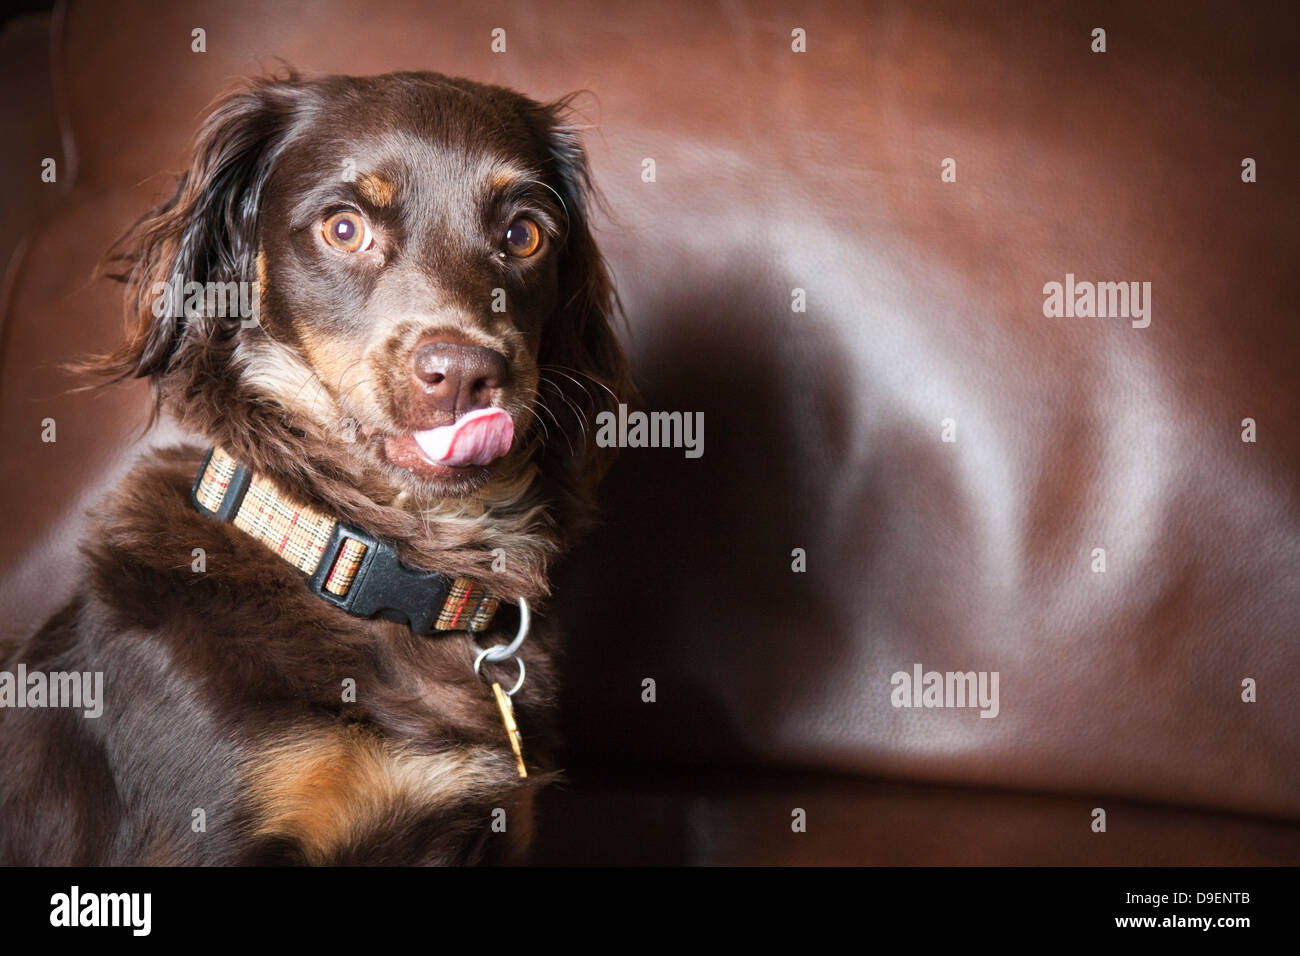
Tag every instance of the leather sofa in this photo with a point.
(827, 429)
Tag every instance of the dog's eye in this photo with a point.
(347, 232)
(523, 237)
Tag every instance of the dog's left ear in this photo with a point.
(206, 232)
(579, 355)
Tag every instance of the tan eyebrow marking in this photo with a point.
(506, 173)
(376, 189)
(502, 178)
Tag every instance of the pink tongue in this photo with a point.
(476, 439)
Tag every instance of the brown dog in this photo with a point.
(288, 629)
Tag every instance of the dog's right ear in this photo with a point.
(207, 231)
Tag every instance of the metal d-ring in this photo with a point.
(478, 662)
(503, 652)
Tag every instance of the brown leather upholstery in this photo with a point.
(821, 171)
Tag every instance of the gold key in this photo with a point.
(512, 729)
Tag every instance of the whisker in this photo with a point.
(351, 388)
(577, 412)
(591, 378)
(541, 421)
(577, 383)
(541, 403)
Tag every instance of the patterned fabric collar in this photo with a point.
(345, 566)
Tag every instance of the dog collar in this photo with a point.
(345, 566)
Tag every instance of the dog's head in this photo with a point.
(418, 307)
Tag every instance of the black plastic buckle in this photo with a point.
(383, 585)
(235, 489)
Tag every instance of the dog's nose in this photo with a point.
(458, 378)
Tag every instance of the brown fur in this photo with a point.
(327, 789)
(224, 687)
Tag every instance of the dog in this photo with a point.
(306, 628)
